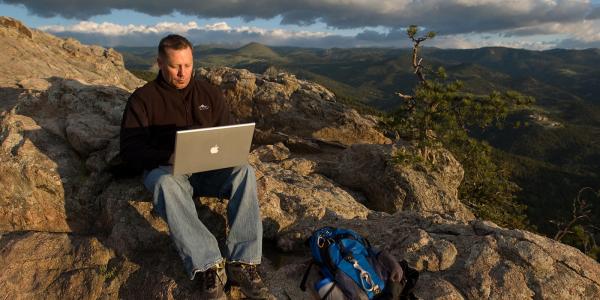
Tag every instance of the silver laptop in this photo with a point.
(206, 149)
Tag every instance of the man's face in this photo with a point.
(176, 67)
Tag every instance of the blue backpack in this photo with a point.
(348, 260)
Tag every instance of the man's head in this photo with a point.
(175, 60)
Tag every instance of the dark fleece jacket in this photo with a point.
(156, 111)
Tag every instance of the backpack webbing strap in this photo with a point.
(324, 253)
(329, 291)
(305, 276)
(411, 276)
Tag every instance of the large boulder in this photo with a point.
(290, 192)
(39, 179)
(39, 265)
(128, 219)
(47, 139)
(391, 186)
(293, 106)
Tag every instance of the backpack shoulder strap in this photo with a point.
(305, 276)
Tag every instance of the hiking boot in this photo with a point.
(247, 278)
(211, 283)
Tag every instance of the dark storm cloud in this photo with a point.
(594, 14)
(577, 44)
(443, 16)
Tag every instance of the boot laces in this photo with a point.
(251, 271)
(210, 278)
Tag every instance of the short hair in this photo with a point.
(175, 42)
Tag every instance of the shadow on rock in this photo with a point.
(50, 186)
(146, 258)
(49, 195)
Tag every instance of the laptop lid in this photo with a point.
(206, 149)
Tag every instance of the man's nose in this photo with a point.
(180, 71)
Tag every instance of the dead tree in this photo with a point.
(417, 61)
(581, 211)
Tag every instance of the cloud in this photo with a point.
(112, 29)
(577, 44)
(586, 31)
(594, 14)
(110, 34)
(583, 34)
(443, 16)
(470, 42)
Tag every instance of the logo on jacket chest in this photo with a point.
(203, 107)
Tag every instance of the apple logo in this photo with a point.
(214, 149)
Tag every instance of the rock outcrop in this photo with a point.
(55, 144)
(285, 104)
(38, 265)
(69, 229)
(477, 260)
(400, 186)
(29, 54)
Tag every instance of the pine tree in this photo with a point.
(439, 113)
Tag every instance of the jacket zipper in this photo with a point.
(185, 106)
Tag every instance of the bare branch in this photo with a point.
(405, 97)
(417, 61)
(581, 210)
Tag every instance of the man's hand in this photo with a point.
(172, 158)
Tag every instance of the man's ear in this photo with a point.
(159, 61)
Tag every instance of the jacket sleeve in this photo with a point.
(135, 141)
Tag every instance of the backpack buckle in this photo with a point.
(365, 279)
(321, 241)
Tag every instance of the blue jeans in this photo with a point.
(197, 246)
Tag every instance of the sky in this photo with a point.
(463, 24)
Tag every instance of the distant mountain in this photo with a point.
(257, 50)
(375, 74)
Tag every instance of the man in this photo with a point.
(176, 101)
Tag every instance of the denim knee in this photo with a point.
(247, 170)
(160, 183)
(173, 181)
